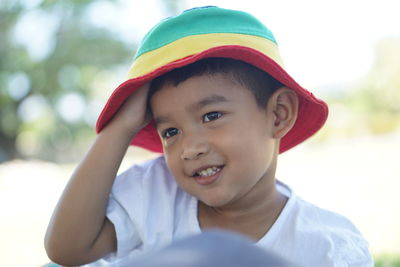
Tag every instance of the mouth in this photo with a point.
(207, 171)
(208, 175)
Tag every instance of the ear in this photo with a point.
(282, 106)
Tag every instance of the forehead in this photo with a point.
(196, 88)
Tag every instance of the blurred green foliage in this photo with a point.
(387, 261)
(370, 106)
(63, 71)
(67, 71)
(377, 95)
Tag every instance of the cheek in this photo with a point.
(240, 139)
(176, 169)
(175, 166)
(171, 162)
(249, 148)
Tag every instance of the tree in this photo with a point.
(377, 96)
(39, 86)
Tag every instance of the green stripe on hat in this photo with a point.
(218, 20)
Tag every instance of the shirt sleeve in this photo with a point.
(354, 254)
(126, 232)
(125, 211)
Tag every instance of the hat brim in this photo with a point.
(312, 112)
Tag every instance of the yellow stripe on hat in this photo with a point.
(195, 44)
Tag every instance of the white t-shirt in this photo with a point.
(149, 211)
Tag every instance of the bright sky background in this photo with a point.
(323, 43)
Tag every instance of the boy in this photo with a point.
(221, 108)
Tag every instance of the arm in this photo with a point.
(79, 232)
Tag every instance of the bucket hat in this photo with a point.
(208, 32)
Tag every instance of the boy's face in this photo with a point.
(217, 142)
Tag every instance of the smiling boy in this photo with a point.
(221, 108)
(220, 144)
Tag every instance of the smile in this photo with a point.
(208, 175)
(208, 172)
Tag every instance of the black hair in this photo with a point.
(260, 83)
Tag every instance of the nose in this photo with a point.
(194, 145)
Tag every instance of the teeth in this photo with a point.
(208, 171)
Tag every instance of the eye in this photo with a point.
(210, 116)
(170, 132)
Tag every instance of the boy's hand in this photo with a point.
(133, 115)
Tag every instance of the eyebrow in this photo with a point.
(208, 100)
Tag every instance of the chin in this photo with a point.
(215, 202)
